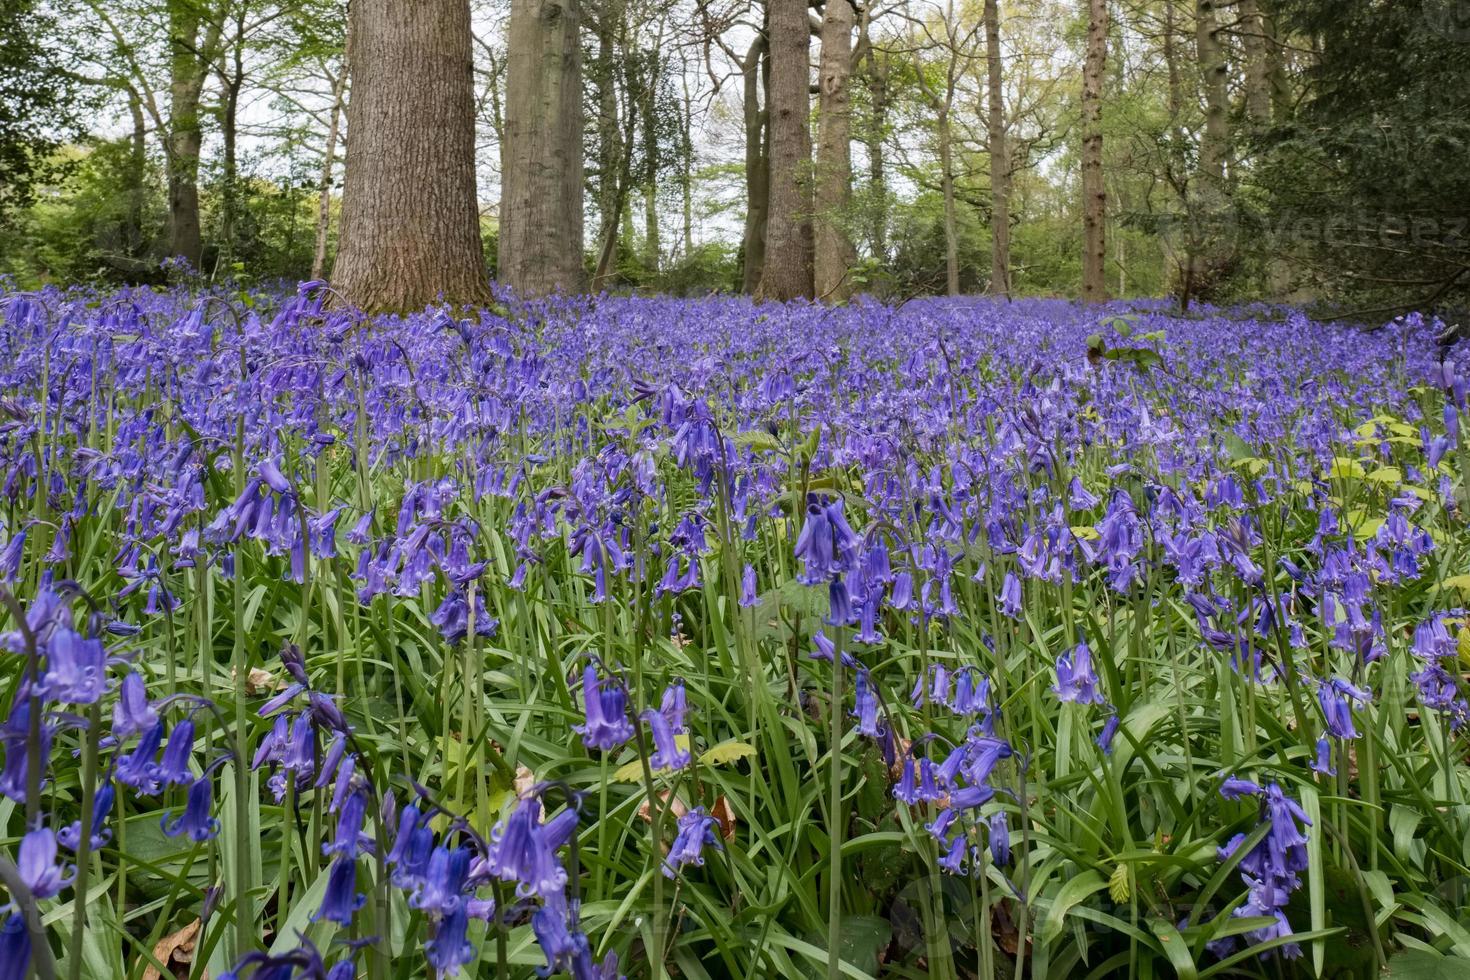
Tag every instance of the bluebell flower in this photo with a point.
(1109, 730)
(559, 944)
(1076, 681)
(37, 864)
(15, 948)
(342, 899)
(673, 706)
(667, 753)
(1000, 838)
(521, 853)
(748, 595)
(137, 768)
(865, 705)
(70, 836)
(607, 726)
(1233, 788)
(1010, 596)
(132, 713)
(174, 767)
(74, 668)
(444, 882)
(196, 820)
(450, 947)
(695, 829)
(953, 859)
(348, 840)
(1334, 697)
(1323, 763)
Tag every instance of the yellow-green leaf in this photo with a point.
(726, 753)
(1345, 468)
(1118, 884)
(1387, 474)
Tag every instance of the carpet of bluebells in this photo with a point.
(707, 639)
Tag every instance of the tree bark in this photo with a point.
(877, 82)
(686, 176)
(1257, 70)
(410, 219)
(1094, 192)
(757, 168)
(134, 238)
(189, 58)
(1000, 159)
(951, 217)
(233, 83)
(541, 207)
(324, 183)
(1215, 143)
(787, 272)
(609, 139)
(835, 254)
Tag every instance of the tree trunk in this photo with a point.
(951, 219)
(686, 175)
(410, 220)
(1000, 159)
(1257, 71)
(757, 167)
(609, 140)
(835, 255)
(541, 209)
(189, 59)
(324, 183)
(1094, 193)
(134, 238)
(1215, 143)
(1279, 86)
(877, 82)
(787, 272)
(652, 247)
(229, 132)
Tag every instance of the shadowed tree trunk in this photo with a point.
(609, 139)
(1000, 159)
(835, 254)
(787, 272)
(410, 221)
(324, 182)
(757, 167)
(192, 45)
(876, 79)
(1257, 68)
(1214, 144)
(541, 203)
(1094, 193)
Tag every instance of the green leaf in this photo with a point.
(726, 753)
(1418, 964)
(1075, 890)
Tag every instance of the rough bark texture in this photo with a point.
(324, 182)
(951, 214)
(877, 130)
(1000, 158)
(410, 222)
(1215, 143)
(609, 139)
(757, 169)
(1257, 70)
(541, 204)
(1094, 193)
(787, 272)
(191, 46)
(835, 254)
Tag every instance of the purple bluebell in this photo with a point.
(196, 820)
(1076, 681)
(696, 829)
(607, 726)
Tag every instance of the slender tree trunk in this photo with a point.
(189, 58)
(951, 218)
(1094, 192)
(133, 236)
(324, 182)
(541, 212)
(229, 132)
(609, 140)
(877, 82)
(835, 255)
(787, 273)
(1000, 158)
(1215, 143)
(757, 167)
(652, 247)
(410, 220)
(686, 172)
(1257, 71)
(1280, 87)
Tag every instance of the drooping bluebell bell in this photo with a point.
(696, 829)
(442, 889)
(15, 948)
(341, 900)
(607, 726)
(1076, 680)
(137, 768)
(173, 768)
(37, 864)
(667, 752)
(1000, 838)
(132, 713)
(196, 820)
(70, 836)
(1009, 600)
(450, 948)
(865, 705)
(522, 852)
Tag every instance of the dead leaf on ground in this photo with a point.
(178, 947)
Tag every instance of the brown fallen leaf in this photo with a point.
(722, 812)
(677, 807)
(179, 946)
(524, 780)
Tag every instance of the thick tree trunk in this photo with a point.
(189, 58)
(1000, 159)
(757, 168)
(951, 217)
(787, 273)
(1215, 143)
(877, 82)
(835, 255)
(324, 182)
(410, 221)
(1094, 193)
(1279, 86)
(541, 205)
